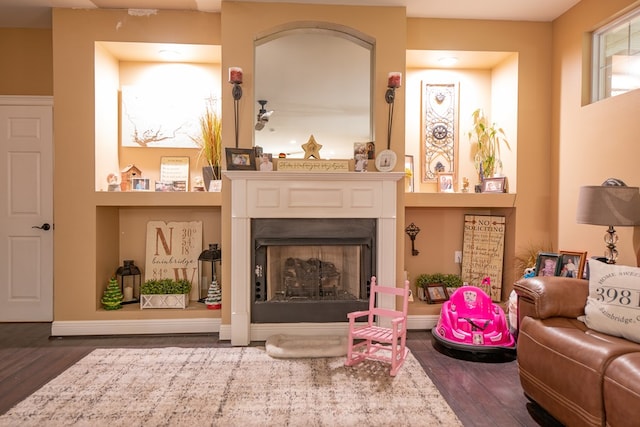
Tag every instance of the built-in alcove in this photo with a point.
(166, 88)
(487, 80)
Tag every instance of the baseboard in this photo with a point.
(259, 332)
(134, 327)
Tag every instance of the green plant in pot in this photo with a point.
(210, 142)
(486, 140)
(165, 287)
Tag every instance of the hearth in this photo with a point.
(311, 269)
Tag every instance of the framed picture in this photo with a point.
(240, 159)
(547, 264)
(361, 156)
(435, 293)
(572, 264)
(140, 184)
(174, 168)
(494, 185)
(445, 182)
(264, 162)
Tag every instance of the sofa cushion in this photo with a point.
(561, 365)
(622, 390)
(613, 304)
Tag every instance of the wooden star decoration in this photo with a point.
(312, 149)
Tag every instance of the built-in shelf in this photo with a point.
(153, 198)
(459, 200)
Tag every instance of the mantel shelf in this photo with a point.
(459, 200)
(153, 198)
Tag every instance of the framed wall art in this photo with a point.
(240, 159)
(439, 130)
(572, 264)
(494, 185)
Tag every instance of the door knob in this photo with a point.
(44, 226)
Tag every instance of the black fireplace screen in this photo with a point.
(311, 270)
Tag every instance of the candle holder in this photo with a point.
(235, 78)
(412, 231)
(129, 278)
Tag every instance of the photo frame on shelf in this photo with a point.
(264, 162)
(139, 184)
(445, 182)
(409, 173)
(435, 293)
(572, 264)
(494, 185)
(240, 159)
(547, 264)
(174, 169)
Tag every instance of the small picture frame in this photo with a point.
(264, 162)
(435, 293)
(360, 157)
(494, 185)
(139, 184)
(445, 182)
(240, 159)
(547, 264)
(572, 264)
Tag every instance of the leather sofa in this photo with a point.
(578, 375)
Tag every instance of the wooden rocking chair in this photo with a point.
(371, 341)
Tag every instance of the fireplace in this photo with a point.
(310, 205)
(311, 269)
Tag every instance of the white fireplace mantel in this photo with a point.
(304, 195)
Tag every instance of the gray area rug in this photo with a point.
(230, 387)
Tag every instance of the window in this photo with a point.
(616, 57)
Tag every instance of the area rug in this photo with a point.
(230, 387)
(294, 346)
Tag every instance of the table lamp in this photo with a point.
(612, 204)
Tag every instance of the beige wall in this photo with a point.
(593, 141)
(26, 67)
(561, 143)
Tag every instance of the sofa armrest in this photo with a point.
(551, 296)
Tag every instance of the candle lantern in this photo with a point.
(207, 269)
(129, 277)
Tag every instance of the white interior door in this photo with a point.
(26, 210)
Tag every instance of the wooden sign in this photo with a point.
(299, 165)
(483, 253)
(173, 249)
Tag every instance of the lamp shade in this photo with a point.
(608, 205)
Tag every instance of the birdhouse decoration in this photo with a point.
(129, 278)
(207, 269)
(126, 175)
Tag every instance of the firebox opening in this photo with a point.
(311, 270)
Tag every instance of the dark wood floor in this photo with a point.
(482, 393)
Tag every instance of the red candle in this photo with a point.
(395, 79)
(235, 75)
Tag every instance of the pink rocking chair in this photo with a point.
(387, 344)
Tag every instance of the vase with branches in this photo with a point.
(210, 139)
(486, 139)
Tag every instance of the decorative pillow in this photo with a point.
(613, 304)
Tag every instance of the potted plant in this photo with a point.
(486, 139)
(164, 293)
(210, 143)
(449, 281)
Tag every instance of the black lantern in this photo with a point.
(207, 269)
(128, 276)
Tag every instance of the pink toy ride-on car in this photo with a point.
(470, 321)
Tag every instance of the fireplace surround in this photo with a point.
(304, 196)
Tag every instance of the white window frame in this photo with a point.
(601, 60)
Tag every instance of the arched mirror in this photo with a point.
(313, 81)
